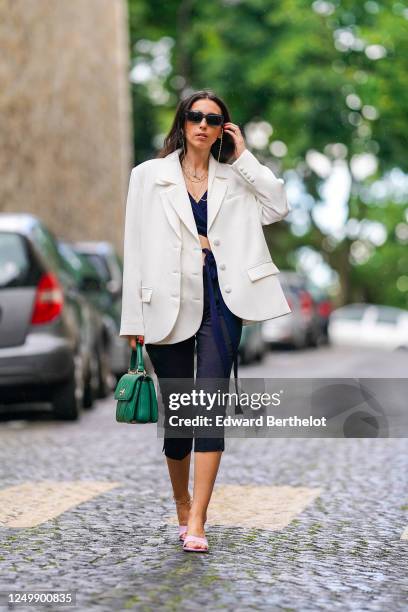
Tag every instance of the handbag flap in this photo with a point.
(126, 386)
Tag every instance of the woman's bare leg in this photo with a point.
(206, 466)
(179, 471)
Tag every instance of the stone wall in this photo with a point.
(65, 114)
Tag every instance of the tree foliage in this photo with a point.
(319, 74)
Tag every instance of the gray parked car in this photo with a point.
(252, 346)
(301, 327)
(90, 285)
(45, 331)
(103, 257)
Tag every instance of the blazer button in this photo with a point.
(216, 242)
(227, 289)
(241, 167)
(175, 295)
(222, 266)
(252, 180)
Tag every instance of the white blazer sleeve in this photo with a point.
(268, 189)
(132, 314)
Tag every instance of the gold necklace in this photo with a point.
(194, 178)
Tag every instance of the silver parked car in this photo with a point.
(45, 331)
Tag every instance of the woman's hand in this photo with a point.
(235, 132)
(133, 339)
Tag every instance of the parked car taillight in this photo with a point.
(306, 303)
(325, 308)
(49, 299)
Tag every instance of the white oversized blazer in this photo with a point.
(162, 295)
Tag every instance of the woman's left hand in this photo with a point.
(235, 132)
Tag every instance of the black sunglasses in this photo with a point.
(211, 118)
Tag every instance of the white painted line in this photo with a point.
(265, 507)
(32, 503)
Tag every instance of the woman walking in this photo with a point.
(197, 268)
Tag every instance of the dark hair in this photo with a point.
(174, 138)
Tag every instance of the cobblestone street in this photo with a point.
(293, 525)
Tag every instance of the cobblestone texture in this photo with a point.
(119, 551)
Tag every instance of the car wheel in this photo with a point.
(299, 342)
(103, 374)
(312, 342)
(65, 401)
(88, 395)
(91, 388)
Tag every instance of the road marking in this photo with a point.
(404, 534)
(32, 503)
(265, 507)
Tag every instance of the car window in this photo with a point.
(70, 256)
(388, 315)
(14, 260)
(47, 247)
(100, 264)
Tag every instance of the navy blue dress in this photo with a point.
(217, 305)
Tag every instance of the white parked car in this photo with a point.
(369, 325)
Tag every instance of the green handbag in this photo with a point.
(135, 392)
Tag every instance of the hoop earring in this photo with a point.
(219, 150)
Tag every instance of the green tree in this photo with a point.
(328, 78)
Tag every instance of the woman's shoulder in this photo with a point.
(146, 165)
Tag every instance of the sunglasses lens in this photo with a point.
(194, 116)
(214, 119)
(211, 118)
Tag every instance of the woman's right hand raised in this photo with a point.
(133, 339)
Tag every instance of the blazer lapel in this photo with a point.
(176, 195)
(218, 186)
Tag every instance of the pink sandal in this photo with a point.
(182, 532)
(199, 540)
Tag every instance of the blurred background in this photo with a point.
(88, 89)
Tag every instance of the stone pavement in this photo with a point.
(293, 525)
